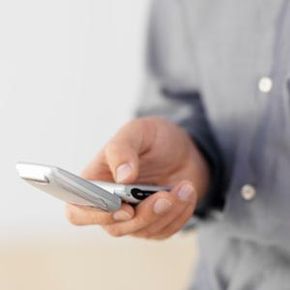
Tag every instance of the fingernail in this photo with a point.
(162, 205)
(185, 192)
(121, 215)
(123, 172)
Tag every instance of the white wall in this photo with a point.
(70, 74)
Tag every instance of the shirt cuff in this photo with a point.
(214, 198)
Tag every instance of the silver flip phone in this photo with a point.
(76, 190)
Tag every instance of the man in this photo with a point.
(215, 123)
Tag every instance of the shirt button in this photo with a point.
(248, 192)
(265, 84)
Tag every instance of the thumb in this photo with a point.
(123, 151)
(122, 159)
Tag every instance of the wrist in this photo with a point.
(201, 172)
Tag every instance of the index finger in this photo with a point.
(86, 215)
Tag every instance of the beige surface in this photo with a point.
(71, 263)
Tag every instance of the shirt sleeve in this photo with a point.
(172, 91)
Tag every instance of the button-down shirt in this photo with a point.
(221, 70)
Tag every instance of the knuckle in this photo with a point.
(142, 235)
(162, 238)
(166, 234)
(114, 232)
(137, 235)
(94, 218)
(145, 234)
(101, 220)
(142, 220)
(72, 217)
(111, 147)
(172, 231)
(148, 233)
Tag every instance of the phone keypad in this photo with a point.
(141, 194)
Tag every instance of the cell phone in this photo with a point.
(73, 189)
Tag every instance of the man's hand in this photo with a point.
(155, 151)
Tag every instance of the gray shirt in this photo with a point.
(221, 69)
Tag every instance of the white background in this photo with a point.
(70, 75)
